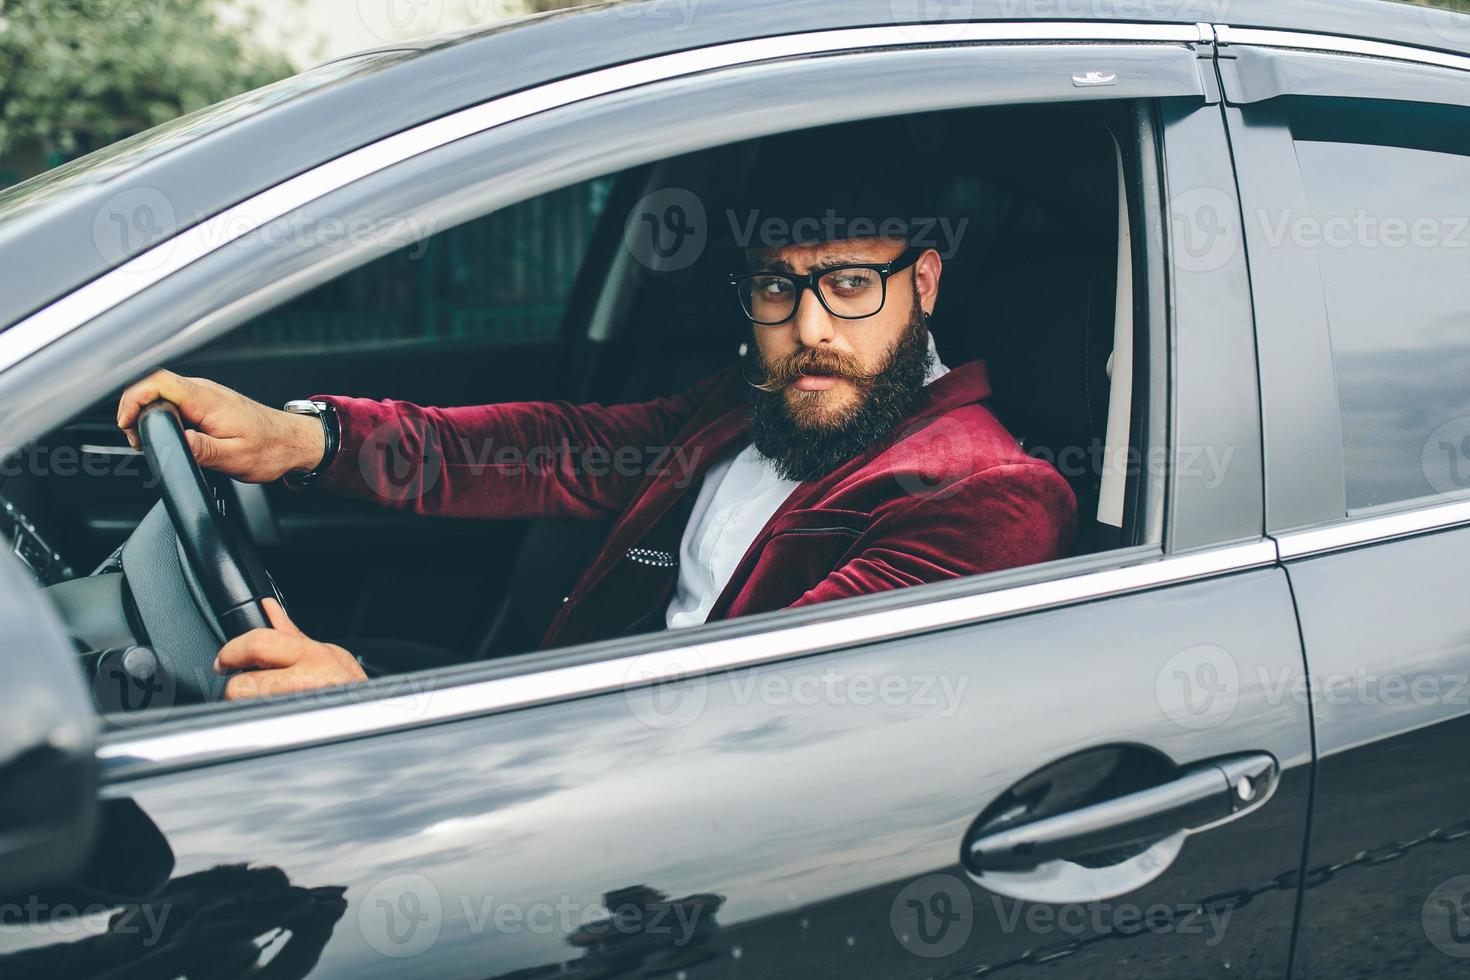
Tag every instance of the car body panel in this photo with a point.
(1378, 591)
(808, 801)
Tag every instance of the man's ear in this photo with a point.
(926, 279)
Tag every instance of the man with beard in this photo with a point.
(841, 459)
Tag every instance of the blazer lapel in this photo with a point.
(964, 385)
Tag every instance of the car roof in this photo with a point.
(62, 229)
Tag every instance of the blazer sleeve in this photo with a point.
(516, 460)
(1007, 516)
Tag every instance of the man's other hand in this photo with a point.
(283, 660)
(231, 434)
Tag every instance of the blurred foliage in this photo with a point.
(1463, 5)
(79, 74)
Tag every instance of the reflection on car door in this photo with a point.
(1366, 351)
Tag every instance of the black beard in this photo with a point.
(804, 452)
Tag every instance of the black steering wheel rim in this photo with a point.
(225, 564)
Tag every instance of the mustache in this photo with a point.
(814, 362)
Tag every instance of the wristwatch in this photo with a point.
(332, 439)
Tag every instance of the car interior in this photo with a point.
(544, 301)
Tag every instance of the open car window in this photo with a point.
(582, 296)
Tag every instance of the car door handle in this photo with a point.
(1207, 794)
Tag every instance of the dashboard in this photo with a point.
(22, 537)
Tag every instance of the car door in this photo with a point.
(1083, 763)
(1354, 174)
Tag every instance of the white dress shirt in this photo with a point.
(737, 499)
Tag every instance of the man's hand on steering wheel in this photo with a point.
(232, 434)
(243, 439)
(283, 660)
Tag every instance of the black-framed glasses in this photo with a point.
(849, 292)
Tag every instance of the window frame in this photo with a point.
(1306, 480)
(169, 322)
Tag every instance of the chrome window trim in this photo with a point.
(115, 287)
(1357, 531)
(1336, 44)
(136, 755)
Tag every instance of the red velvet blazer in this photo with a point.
(951, 494)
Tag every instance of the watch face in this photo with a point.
(306, 407)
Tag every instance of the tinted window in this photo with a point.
(1390, 221)
(503, 280)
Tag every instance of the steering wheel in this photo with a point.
(220, 567)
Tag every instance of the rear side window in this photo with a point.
(1388, 190)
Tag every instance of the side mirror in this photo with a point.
(48, 733)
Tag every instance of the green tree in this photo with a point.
(76, 75)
